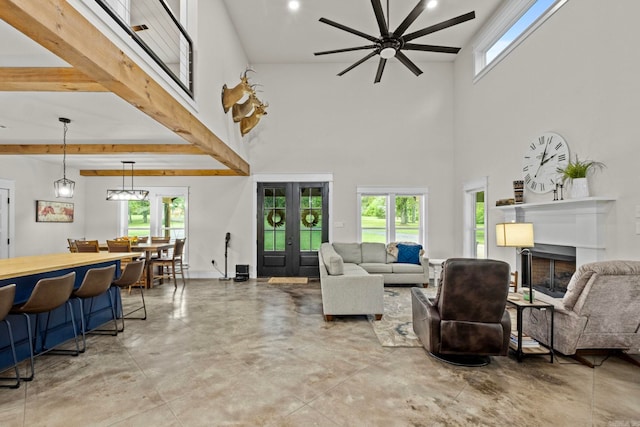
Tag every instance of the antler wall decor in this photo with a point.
(249, 112)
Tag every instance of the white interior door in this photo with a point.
(4, 223)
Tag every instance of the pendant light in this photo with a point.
(127, 194)
(64, 187)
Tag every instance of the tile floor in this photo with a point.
(253, 354)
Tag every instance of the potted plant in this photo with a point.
(576, 172)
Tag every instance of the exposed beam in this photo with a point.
(160, 172)
(59, 27)
(75, 149)
(46, 79)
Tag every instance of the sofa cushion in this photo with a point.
(409, 254)
(374, 252)
(332, 261)
(377, 267)
(351, 269)
(406, 268)
(350, 252)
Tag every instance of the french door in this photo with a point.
(292, 223)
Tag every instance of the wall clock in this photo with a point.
(545, 154)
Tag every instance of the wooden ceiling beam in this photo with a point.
(47, 79)
(160, 172)
(59, 27)
(79, 149)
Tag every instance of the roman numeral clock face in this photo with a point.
(545, 154)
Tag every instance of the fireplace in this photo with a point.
(551, 269)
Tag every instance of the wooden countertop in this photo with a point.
(27, 265)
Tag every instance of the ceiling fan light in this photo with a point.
(388, 52)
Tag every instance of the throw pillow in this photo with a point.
(409, 254)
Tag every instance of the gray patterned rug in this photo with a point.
(396, 327)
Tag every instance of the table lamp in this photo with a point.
(518, 235)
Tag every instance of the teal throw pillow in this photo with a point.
(409, 254)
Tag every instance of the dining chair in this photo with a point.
(131, 277)
(513, 282)
(172, 261)
(7, 294)
(87, 246)
(48, 294)
(96, 282)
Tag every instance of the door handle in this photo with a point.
(289, 242)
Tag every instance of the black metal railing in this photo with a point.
(155, 28)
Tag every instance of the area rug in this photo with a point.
(396, 327)
(288, 280)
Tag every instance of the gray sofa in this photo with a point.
(353, 275)
(378, 258)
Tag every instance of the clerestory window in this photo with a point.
(511, 24)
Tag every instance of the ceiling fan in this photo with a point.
(390, 44)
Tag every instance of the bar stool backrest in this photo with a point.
(49, 293)
(96, 282)
(7, 295)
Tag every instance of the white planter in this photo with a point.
(579, 188)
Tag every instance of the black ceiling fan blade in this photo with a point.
(371, 55)
(430, 48)
(348, 49)
(407, 62)
(381, 65)
(410, 18)
(382, 23)
(441, 26)
(348, 29)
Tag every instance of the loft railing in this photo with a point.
(152, 25)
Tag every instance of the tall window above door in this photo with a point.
(514, 21)
(392, 215)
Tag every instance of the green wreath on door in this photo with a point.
(310, 218)
(279, 219)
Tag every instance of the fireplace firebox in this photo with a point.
(551, 268)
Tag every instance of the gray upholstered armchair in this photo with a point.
(466, 322)
(601, 310)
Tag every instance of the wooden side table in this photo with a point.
(516, 300)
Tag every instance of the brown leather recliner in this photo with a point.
(466, 322)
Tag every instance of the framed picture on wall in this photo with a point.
(53, 211)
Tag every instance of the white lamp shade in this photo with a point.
(515, 234)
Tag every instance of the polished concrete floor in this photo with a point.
(254, 354)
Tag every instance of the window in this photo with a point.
(508, 28)
(474, 221)
(164, 214)
(392, 215)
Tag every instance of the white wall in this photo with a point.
(34, 181)
(577, 75)
(363, 134)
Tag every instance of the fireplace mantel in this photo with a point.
(574, 222)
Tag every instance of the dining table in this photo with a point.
(149, 250)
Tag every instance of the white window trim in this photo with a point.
(505, 17)
(154, 192)
(468, 215)
(390, 193)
